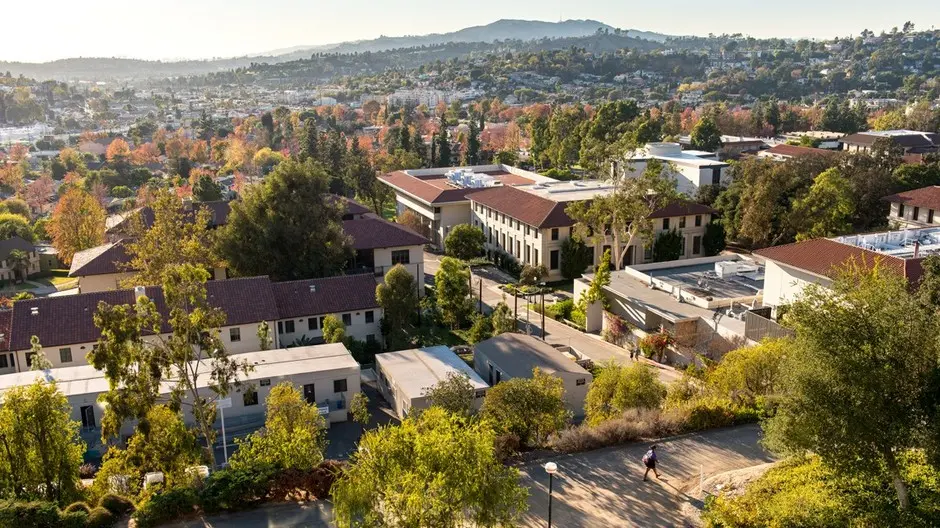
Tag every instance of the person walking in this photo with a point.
(649, 460)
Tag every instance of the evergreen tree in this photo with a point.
(473, 144)
(309, 140)
(443, 146)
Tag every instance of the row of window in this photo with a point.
(502, 219)
(698, 222)
(314, 323)
(915, 213)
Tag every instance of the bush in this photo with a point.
(560, 310)
(37, 514)
(655, 345)
(617, 388)
(579, 318)
(75, 519)
(507, 445)
(315, 483)
(78, 506)
(232, 489)
(166, 506)
(711, 412)
(630, 426)
(116, 504)
(101, 518)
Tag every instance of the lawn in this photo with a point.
(388, 210)
(59, 279)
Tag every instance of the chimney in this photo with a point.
(139, 292)
(916, 248)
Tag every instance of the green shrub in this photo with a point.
(560, 310)
(578, 318)
(116, 504)
(78, 506)
(711, 412)
(101, 518)
(617, 388)
(33, 514)
(75, 519)
(164, 507)
(232, 489)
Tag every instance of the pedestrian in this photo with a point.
(632, 351)
(649, 460)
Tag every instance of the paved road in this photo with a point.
(606, 488)
(590, 345)
(597, 488)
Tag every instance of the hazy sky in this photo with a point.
(166, 29)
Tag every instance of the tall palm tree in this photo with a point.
(19, 263)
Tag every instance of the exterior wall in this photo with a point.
(97, 283)
(449, 217)
(391, 390)
(782, 284)
(359, 328)
(34, 267)
(925, 216)
(575, 394)
(440, 218)
(382, 261)
(688, 177)
(248, 338)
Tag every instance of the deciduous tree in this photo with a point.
(77, 223)
(455, 394)
(529, 408)
(452, 288)
(617, 388)
(334, 331)
(398, 297)
(411, 475)
(464, 242)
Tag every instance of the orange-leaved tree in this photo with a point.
(78, 223)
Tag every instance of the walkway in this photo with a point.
(590, 345)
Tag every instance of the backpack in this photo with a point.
(648, 456)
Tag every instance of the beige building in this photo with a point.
(441, 196)
(380, 245)
(915, 208)
(512, 355)
(405, 376)
(530, 223)
(9, 270)
(101, 268)
(327, 375)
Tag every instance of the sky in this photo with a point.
(174, 29)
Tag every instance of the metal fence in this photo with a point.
(758, 325)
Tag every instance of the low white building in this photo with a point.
(405, 376)
(513, 355)
(690, 171)
(327, 375)
(915, 208)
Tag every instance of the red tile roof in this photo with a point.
(926, 197)
(682, 208)
(345, 293)
(825, 257)
(373, 233)
(100, 260)
(69, 320)
(524, 206)
(436, 189)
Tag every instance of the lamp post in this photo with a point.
(542, 291)
(551, 468)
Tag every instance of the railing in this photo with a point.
(757, 326)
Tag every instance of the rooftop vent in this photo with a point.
(313, 288)
(34, 310)
(139, 291)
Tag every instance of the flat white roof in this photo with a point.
(418, 369)
(85, 379)
(568, 191)
(901, 244)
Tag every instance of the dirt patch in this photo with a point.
(729, 483)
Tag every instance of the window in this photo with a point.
(502, 238)
(554, 233)
(580, 381)
(683, 246)
(401, 256)
(665, 224)
(321, 321)
(930, 216)
(88, 416)
(347, 319)
(280, 327)
(370, 338)
(312, 323)
(235, 334)
(535, 257)
(716, 175)
(489, 231)
(370, 316)
(696, 245)
(65, 355)
(479, 393)
(309, 394)
(698, 220)
(682, 222)
(916, 214)
(3, 361)
(535, 233)
(900, 210)
(648, 253)
(528, 253)
(250, 397)
(553, 259)
(339, 385)
(29, 358)
(266, 382)
(437, 209)
(288, 327)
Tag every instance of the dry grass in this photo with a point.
(633, 425)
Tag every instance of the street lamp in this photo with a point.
(542, 291)
(551, 468)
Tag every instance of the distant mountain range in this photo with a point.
(93, 69)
